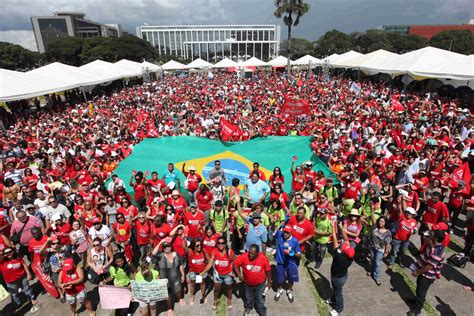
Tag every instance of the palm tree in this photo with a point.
(287, 9)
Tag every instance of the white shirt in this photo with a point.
(60, 209)
(42, 205)
(103, 233)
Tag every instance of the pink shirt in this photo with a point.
(26, 234)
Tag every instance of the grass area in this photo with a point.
(323, 308)
(429, 310)
(221, 309)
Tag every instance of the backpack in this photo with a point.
(458, 260)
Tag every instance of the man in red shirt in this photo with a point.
(159, 230)
(401, 240)
(253, 268)
(435, 213)
(194, 220)
(303, 229)
(61, 229)
(256, 167)
(156, 184)
(36, 243)
(353, 188)
(455, 202)
(192, 180)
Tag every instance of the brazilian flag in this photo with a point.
(154, 154)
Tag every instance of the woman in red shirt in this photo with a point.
(71, 280)
(123, 232)
(30, 179)
(209, 241)
(143, 235)
(279, 194)
(298, 178)
(128, 210)
(197, 263)
(276, 178)
(204, 199)
(140, 189)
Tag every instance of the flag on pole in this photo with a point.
(91, 108)
(461, 173)
(355, 88)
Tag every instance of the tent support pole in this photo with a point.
(84, 94)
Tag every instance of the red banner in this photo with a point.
(229, 132)
(294, 107)
(461, 173)
(44, 279)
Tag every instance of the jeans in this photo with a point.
(422, 286)
(397, 245)
(18, 287)
(376, 262)
(454, 215)
(254, 299)
(337, 297)
(320, 252)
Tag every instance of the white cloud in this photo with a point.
(20, 37)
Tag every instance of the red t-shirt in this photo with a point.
(435, 212)
(254, 271)
(143, 233)
(193, 181)
(222, 263)
(297, 182)
(178, 246)
(12, 270)
(139, 190)
(309, 174)
(194, 222)
(210, 243)
(159, 233)
(179, 205)
(34, 247)
(352, 190)
(405, 228)
(122, 231)
(204, 200)
(62, 232)
(197, 261)
(301, 230)
(128, 212)
(456, 198)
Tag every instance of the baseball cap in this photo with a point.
(175, 192)
(348, 250)
(96, 220)
(56, 217)
(68, 264)
(193, 205)
(288, 229)
(410, 210)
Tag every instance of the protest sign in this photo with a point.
(295, 107)
(153, 291)
(114, 297)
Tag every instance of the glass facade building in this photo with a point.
(214, 42)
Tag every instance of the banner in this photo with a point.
(396, 105)
(355, 88)
(296, 107)
(45, 279)
(114, 297)
(153, 291)
(462, 173)
(229, 131)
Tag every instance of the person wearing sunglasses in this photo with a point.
(16, 275)
(55, 254)
(99, 259)
(143, 236)
(122, 234)
(197, 263)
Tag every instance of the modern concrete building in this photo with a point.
(214, 42)
(427, 31)
(62, 24)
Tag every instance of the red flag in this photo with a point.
(295, 107)
(228, 130)
(461, 173)
(397, 137)
(44, 279)
(396, 105)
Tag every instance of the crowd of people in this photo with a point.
(401, 162)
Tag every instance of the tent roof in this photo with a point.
(344, 57)
(305, 60)
(198, 63)
(107, 71)
(150, 66)
(363, 59)
(173, 65)
(15, 85)
(280, 61)
(71, 75)
(254, 61)
(330, 57)
(457, 68)
(225, 63)
(130, 68)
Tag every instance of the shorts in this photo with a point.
(289, 273)
(226, 278)
(192, 276)
(79, 297)
(145, 304)
(174, 287)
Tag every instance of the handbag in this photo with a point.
(17, 236)
(458, 260)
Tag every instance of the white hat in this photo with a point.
(56, 217)
(410, 210)
(175, 192)
(192, 168)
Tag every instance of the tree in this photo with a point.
(403, 43)
(97, 48)
(15, 57)
(288, 9)
(333, 42)
(459, 41)
(299, 47)
(132, 48)
(372, 40)
(65, 50)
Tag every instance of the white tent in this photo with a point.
(280, 61)
(199, 63)
(253, 62)
(459, 68)
(330, 58)
(16, 86)
(130, 68)
(344, 57)
(107, 71)
(226, 63)
(305, 60)
(173, 65)
(150, 66)
(359, 61)
(68, 73)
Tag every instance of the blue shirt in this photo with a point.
(286, 244)
(257, 190)
(255, 235)
(170, 176)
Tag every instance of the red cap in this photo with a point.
(288, 229)
(348, 250)
(96, 220)
(68, 264)
(440, 226)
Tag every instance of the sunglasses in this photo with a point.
(198, 245)
(7, 253)
(95, 245)
(221, 243)
(141, 217)
(54, 243)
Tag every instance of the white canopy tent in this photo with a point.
(107, 71)
(68, 73)
(16, 86)
(359, 61)
(173, 65)
(253, 62)
(280, 61)
(460, 68)
(151, 67)
(130, 68)
(330, 58)
(306, 60)
(344, 57)
(226, 63)
(198, 64)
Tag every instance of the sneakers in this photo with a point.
(265, 292)
(34, 309)
(278, 293)
(329, 301)
(334, 312)
(247, 312)
(291, 298)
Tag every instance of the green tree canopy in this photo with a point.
(333, 42)
(403, 43)
(15, 57)
(97, 48)
(65, 50)
(459, 41)
(299, 48)
(372, 40)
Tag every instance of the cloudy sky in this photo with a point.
(324, 15)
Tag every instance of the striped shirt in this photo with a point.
(434, 256)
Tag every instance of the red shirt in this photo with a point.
(456, 198)
(122, 231)
(179, 205)
(128, 212)
(405, 228)
(143, 233)
(435, 212)
(261, 173)
(301, 230)
(309, 174)
(12, 270)
(139, 190)
(352, 190)
(159, 233)
(254, 271)
(274, 180)
(74, 289)
(197, 261)
(156, 183)
(194, 222)
(204, 200)
(193, 181)
(178, 246)
(34, 247)
(297, 182)
(210, 243)
(222, 263)
(62, 232)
